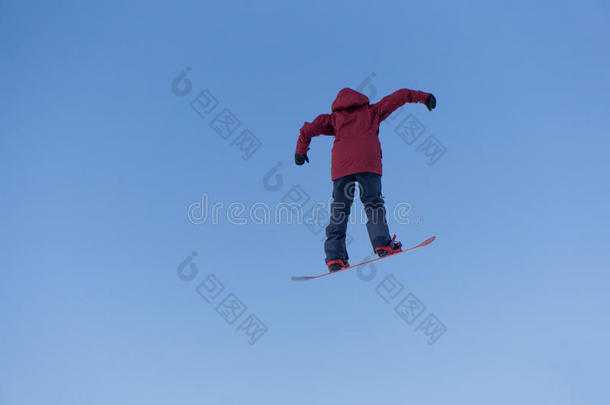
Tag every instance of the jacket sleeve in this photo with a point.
(322, 125)
(388, 104)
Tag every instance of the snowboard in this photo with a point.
(305, 278)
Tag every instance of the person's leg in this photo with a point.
(370, 195)
(343, 197)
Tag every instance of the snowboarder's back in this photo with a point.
(355, 124)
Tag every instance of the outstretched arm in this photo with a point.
(320, 126)
(388, 104)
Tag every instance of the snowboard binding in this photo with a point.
(336, 265)
(392, 248)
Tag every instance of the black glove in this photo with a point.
(300, 159)
(431, 102)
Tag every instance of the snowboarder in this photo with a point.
(356, 157)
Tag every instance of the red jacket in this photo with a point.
(355, 125)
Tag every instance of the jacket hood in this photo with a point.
(347, 98)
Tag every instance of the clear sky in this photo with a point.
(102, 154)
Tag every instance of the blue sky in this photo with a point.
(101, 160)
